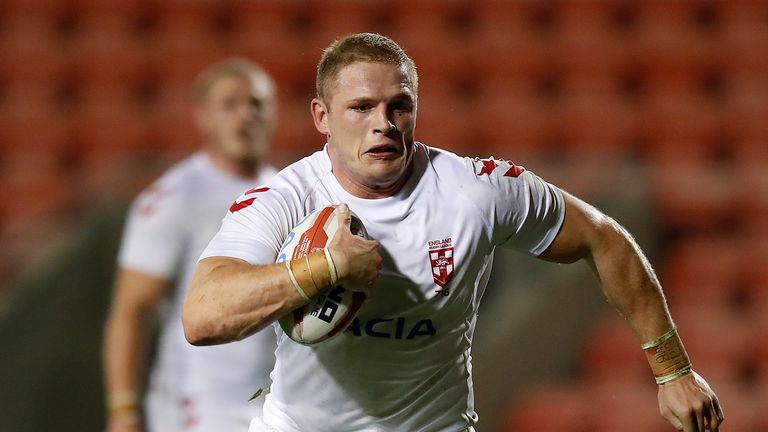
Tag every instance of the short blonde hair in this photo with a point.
(234, 66)
(370, 47)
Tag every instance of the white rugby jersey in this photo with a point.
(404, 364)
(168, 226)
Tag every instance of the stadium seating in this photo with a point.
(94, 102)
(554, 408)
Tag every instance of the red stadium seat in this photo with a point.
(611, 352)
(760, 350)
(551, 409)
(693, 196)
(29, 54)
(754, 268)
(625, 406)
(752, 192)
(744, 26)
(743, 407)
(503, 42)
(730, 362)
(703, 270)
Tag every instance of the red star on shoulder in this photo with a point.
(488, 166)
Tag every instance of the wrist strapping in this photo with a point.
(296, 285)
(312, 274)
(667, 357)
(123, 400)
(331, 266)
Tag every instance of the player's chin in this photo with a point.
(385, 176)
(247, 148)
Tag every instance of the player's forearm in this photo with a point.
(124, 350)
(629, 282)
(229, 299)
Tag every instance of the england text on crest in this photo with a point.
(441, 260)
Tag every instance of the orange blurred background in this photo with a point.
(655, 110)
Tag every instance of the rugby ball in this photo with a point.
(329, 313)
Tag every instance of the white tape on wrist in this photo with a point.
(331, 266)
(296, 283)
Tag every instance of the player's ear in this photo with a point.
(320, 116)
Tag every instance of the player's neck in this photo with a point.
(365, 191)
(245, 168)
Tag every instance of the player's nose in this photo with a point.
(382, 123)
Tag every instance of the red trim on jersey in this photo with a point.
(237, 206)
(255, 190)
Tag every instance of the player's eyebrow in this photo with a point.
(399, 97)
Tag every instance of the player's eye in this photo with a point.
(403, 107)
(362, 107)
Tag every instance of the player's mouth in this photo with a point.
(383, 151)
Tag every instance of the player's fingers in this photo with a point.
(715, 416)
(701, 420)
(712, 424)
(667, 413)
(718, 410)
(691, 423)
(345, 216)
(674, 421)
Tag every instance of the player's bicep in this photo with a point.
(578, 234)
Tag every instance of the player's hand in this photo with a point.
(357, 260)
(690, 404)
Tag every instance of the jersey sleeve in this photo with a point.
(526, 212)
(254, 227)
(153, 237)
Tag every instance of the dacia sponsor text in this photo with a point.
(393, 328)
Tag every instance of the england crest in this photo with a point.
(441, 261)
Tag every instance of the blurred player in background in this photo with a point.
(405, 363)
(190, 388)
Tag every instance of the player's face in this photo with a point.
(238, 117)
(369, 119)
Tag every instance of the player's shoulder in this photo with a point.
(303, 175)
(463, 169)
(289, 187)
(180, 178)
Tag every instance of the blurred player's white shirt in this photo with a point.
(404, 363)
(170, 223)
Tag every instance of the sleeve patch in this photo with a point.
(487, 166)
(149, 201)
(243, 203)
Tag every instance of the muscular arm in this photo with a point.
(126, 335)
(631, 286)
(229, 299)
